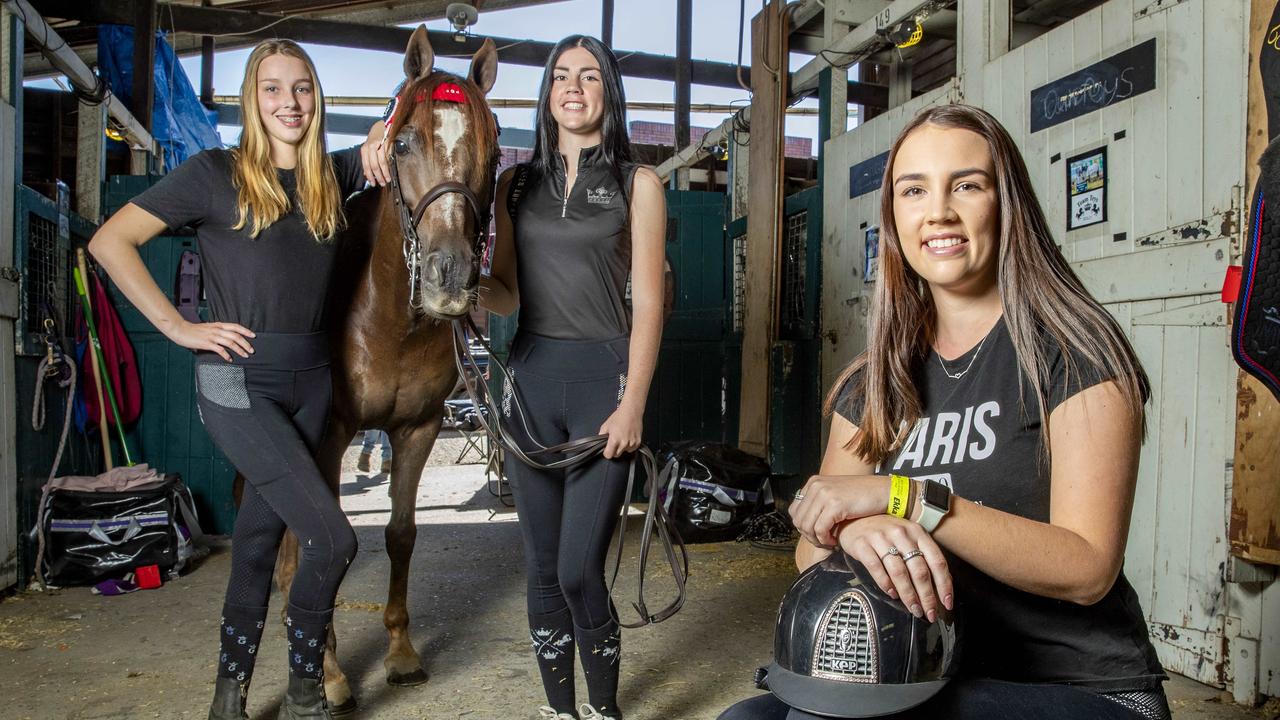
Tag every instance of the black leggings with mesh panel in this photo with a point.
(267, 413)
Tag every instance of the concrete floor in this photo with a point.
(69, 654)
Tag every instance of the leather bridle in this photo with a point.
(409, 220)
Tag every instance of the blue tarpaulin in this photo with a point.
(181, 125)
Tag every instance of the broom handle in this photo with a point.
(83, 268)
(82, 289)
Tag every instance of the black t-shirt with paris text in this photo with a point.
(979, 434)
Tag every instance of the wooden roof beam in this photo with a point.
(254, 26)
(78, 72)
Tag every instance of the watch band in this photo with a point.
(935, 503)
(930, 517)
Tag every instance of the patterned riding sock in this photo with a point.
(308, 631)
(601, 649)
(239, 634)
(552, 637)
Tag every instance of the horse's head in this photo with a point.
(444, 150)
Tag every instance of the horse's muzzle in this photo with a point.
(449, 280)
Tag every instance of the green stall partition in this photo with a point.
(45, 234)
(795, 403)
(691, 397)
(795, 410)
(169, 435)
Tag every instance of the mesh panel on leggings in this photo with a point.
(256, 538)
(1149, 705)
(223, 385)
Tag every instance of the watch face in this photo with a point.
(937, 495)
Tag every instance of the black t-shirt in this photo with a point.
(275, 283)
(574, 254)
(980, 435)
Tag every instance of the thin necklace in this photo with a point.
(957, 376)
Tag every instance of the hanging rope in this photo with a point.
(58, 366)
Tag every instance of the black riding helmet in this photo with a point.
(845, 649)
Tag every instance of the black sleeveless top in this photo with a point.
(574, 253)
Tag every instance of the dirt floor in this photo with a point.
(69, 654)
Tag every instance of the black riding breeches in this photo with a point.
(267, 413)
(567, 389)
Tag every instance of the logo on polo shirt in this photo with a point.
(600, 196)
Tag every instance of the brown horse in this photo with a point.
(408, 264)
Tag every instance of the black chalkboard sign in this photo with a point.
(867, 175)
(1104, 83)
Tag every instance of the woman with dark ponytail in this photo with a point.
(572, 226)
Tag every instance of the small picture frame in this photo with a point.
(1087, 189)
(872, 239)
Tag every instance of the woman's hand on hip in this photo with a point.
(623, 427)
(828, 500)
(218, 337)
(905, 561)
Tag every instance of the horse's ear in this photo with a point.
(484, 66)
(419, 58)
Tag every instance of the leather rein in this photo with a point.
(575, 452)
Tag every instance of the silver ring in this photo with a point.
(799, 496)
(889, 553)
(912, 554)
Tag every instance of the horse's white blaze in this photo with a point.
(451, 127)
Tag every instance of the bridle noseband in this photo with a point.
(409, 221)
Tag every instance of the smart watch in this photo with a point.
(935, 503)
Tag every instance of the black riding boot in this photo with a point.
(229, 697)
(304, 700)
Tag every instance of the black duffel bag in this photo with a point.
(88, 536)
(712, 490)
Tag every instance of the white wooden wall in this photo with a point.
(1174, 189)
(8, 311)
(845, 297)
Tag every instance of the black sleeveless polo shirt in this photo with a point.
(573, 254)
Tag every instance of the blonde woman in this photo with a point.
(265, 215)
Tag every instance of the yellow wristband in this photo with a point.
(899, 493)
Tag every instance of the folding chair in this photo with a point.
(461, 415)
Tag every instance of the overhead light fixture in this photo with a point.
(461, 16)
(905, 34)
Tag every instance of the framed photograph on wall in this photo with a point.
(1087, 189)
(873, 253)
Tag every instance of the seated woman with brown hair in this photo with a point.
(999, 410)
